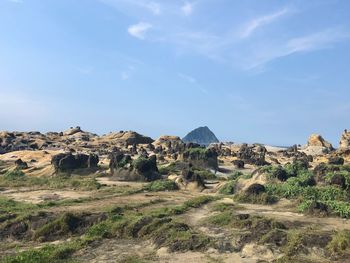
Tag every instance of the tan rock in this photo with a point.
(345, 140)
(317, 140)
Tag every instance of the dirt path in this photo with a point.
(170, 198)
(283, 212)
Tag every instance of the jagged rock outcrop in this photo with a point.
(345, 140)
(202, 135)
(67, 162)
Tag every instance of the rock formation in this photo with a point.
(345, 140)
(67, 162)
(201, 157)
(141, 169)
(254, 154)
(317, 145)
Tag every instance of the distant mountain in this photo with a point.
(201, 135)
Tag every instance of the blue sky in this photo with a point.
(253, 71)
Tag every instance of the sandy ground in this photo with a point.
(39, 196)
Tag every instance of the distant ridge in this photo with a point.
(202, 136)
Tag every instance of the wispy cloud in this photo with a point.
(151, 6)
(139, 30)
(313, 42)
(154, 7)
(229, 43)
(187, 78)
(193, 81)
(187, 8)
(258, 22)
(127, 74)
(16, 1)
(86, 70)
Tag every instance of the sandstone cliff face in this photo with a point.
(345, 140)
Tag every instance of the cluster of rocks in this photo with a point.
(73, 139)
(251, 154)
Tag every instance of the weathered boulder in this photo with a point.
(345, 140)
(72, 131)
(339, 180)
(167, 141)
(20, 164)
(67, 162)
(336, 160)
(126, 138)
(239, 164)
(188, 180)
(317, 145)
(255, 189)
(280, 173)
(317, 140)
(141, 169)
(201, 157)
(254, 154)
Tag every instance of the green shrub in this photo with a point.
(161, 185)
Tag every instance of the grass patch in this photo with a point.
(263, 198)
(15, 179)
(228, 188)
(49, 253)
(13, 175)
(63, 225)
(340, 244)
(161, 185)
(12, 206)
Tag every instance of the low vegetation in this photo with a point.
(161, 185)
(17, 178)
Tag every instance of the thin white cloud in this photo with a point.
(125, 75)
(231, 44)
(313, 42)
(258, 22)
(154, 7)
(139, 30)
(187, 78)
(84, 70)
(16, 1)
(192, 81)
(187, 8)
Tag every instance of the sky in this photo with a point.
(272, 71)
